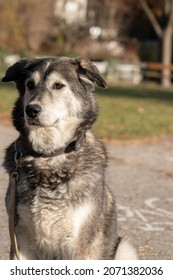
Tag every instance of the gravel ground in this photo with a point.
(140, 175)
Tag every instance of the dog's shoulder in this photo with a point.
(95, 153)
(96, 144)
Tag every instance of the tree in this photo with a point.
(11, 35)
(162, 23)
(36, 19)
(25, 24)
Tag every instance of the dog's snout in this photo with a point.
(33, 110)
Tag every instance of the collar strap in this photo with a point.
(72, 146)
(75, 145)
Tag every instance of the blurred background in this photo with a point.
(130, 41)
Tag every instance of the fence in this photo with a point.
(154, 71)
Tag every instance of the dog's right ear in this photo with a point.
(89, 72)
(17, 70)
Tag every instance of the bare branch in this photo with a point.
(152, 18)
(169, 13)
(167, 7)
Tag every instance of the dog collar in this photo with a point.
(72, 146)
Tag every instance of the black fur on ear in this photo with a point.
(17, 70)
(89, 70)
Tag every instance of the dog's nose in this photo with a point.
(33, 110)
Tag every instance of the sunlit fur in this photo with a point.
(64, 208)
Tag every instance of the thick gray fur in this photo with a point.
(64, 208)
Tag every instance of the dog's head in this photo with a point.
(56, 93)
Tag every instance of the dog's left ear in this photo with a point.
(88, 71)
(16, 71)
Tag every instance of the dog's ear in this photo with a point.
(89, 72)
(17, 70)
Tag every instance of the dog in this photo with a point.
(65, 211)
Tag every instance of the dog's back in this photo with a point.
(64, 208)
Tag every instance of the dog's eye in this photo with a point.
(57, 85)
(30, 84)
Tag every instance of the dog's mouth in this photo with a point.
(34, 123)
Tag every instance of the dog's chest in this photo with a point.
(44, 175)
(46, 211)
(54, 230)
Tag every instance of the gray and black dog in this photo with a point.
(64, 208)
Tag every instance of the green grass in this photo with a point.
(138, 112)
(8, 95)
(124, 113)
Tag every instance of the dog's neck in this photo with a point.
(23, 148)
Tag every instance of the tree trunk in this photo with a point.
(167, 55)
(165, 36)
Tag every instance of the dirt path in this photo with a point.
(141, 177)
